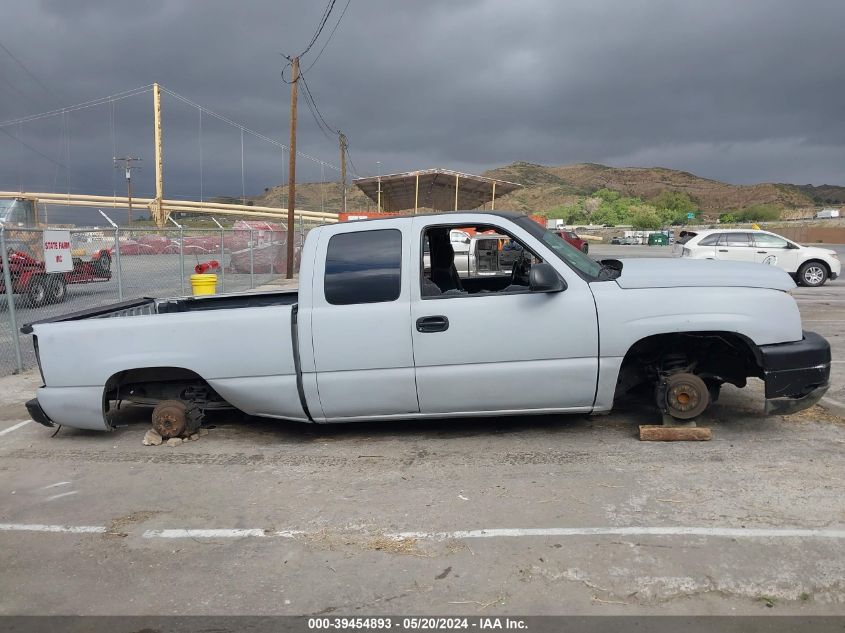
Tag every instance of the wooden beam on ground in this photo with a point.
(661, 433)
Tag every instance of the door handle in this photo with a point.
(437, 323)
(762, 252)
(723, 250)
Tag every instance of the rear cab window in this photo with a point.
(364, 267)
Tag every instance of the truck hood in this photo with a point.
(681, 272)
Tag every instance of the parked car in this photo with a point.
(572, 238)
(372, 335)
(616, 240)
(808, 265)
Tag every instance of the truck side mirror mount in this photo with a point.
(544, 278)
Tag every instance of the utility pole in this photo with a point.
(343, 146)
(158, 211)
(294, 82)
(378, 204)
(128, 167)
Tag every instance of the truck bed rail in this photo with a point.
(133, 307)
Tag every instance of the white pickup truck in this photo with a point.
(372, 335)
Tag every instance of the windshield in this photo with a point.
(563, 249)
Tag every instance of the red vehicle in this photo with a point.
(577, 242)
(28, 274)
(30, 278)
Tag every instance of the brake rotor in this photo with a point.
(170, 418)
(687, 396)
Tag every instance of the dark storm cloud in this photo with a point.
(739, 91)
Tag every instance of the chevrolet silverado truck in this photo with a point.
(372, 334)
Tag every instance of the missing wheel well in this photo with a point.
(148, 386)
(717, 357)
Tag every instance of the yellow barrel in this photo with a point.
(204, 284)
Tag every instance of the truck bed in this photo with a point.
(149, 306)
(241, 345)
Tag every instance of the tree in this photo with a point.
(609, 214)
(674, 207)
(759, 213)
(607, 195)
(644, 217)
(569, 213)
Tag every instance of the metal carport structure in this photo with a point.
(436, 189)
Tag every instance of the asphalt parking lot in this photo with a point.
(546, 515)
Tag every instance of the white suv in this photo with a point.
(808, 265)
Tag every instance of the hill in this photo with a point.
(548, 187)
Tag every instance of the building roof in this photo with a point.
(436, 190)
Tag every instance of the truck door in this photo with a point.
(501, 349)
(361, 322)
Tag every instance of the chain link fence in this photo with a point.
(111, 265)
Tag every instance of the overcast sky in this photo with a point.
(741, 91)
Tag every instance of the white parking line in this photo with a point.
(63, 494)
(204, 533)
(219, 533)
(717, 532)
(56, 485)
(38, 527)
(628, 531)
(15, 427)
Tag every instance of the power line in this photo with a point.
(229, 121)
(31, 148)
(352, 163)
(79, 106)
(110, 99)
(320, 127)
(25, 69)
(326, 14)
(326, 43)
(15, 89)
(327, 129)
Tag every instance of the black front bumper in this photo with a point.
(37, 413)
(796, 374)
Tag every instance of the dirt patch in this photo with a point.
(390, 545)
(815, 413)
(120, 525)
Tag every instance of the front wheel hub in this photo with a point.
(686, 396)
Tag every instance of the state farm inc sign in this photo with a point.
(57, 257)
